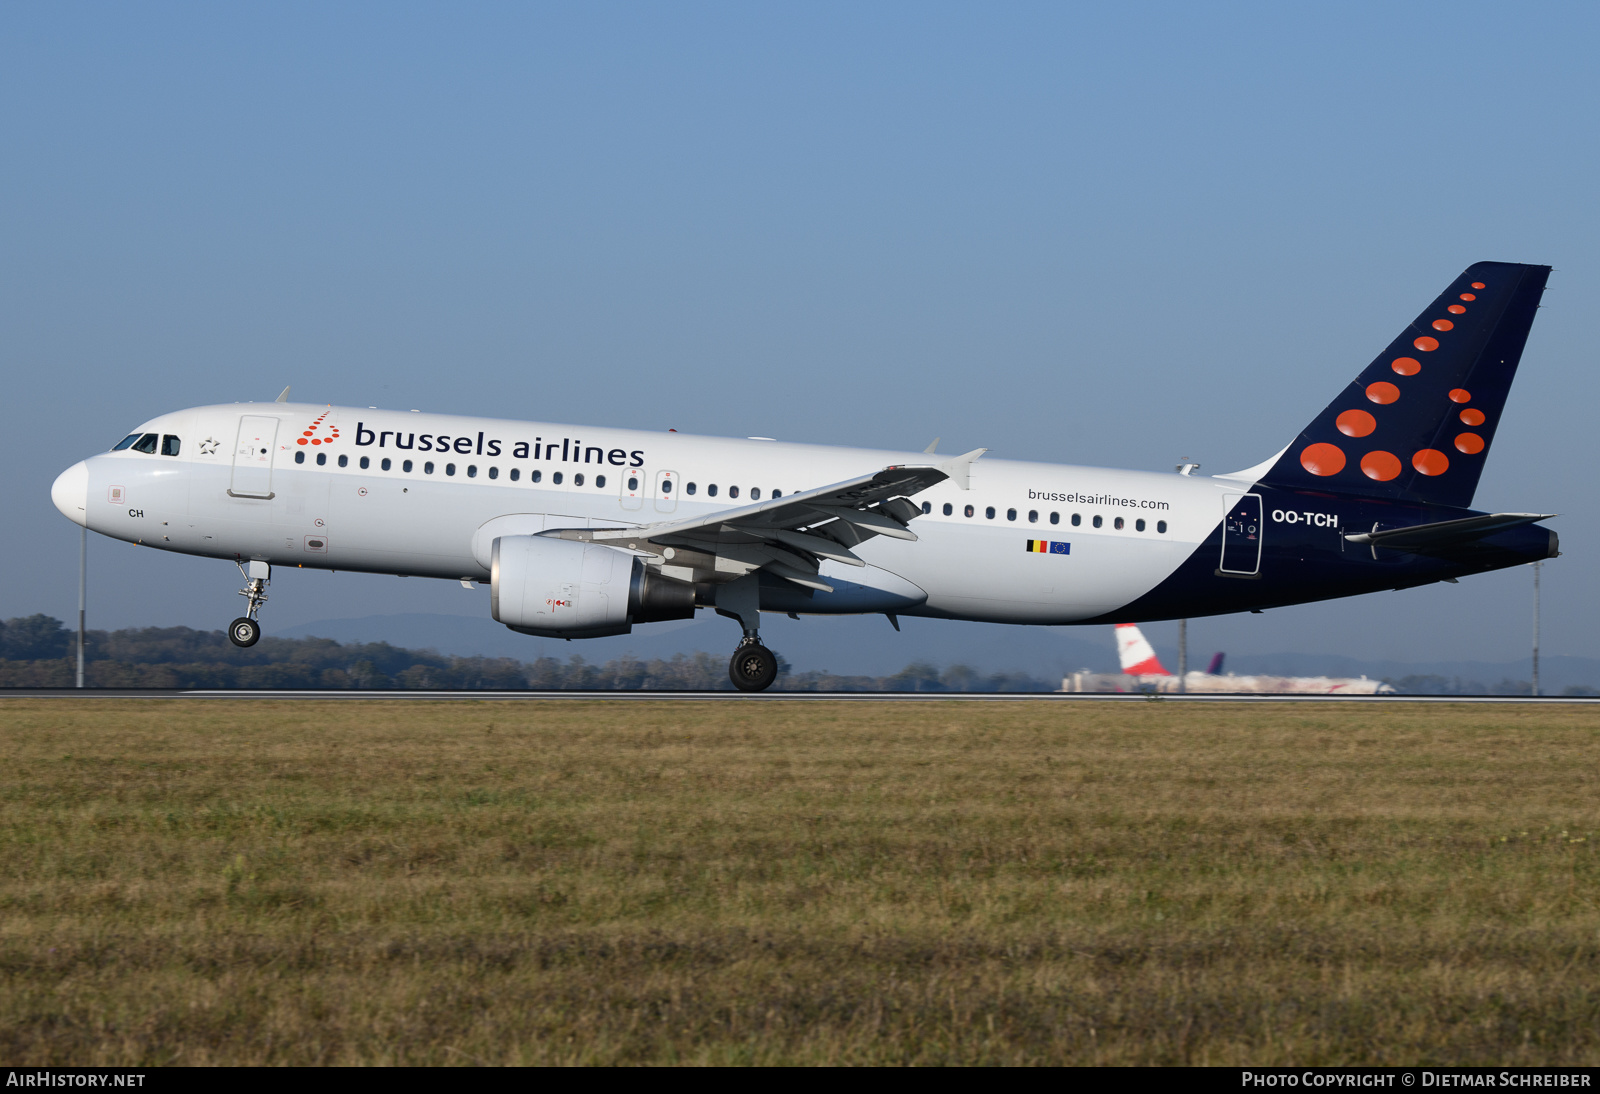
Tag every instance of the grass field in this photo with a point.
(581, 882)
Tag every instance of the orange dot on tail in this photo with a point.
(1443, 324)
(301, 440)
(1468, 296)
(316, 440)
(1456, 309)
(1460, 395)
(1430, 461)
(1382, 466)
(1383, 392)
(1407, 366)
(1426, 345)
(1479, 285)
(1470, 443)
(1356, 423)
(1472, 417)
(1322, 459)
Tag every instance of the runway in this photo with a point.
(759, 697)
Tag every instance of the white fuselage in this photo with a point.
(235, 491)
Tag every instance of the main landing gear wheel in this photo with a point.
(753, 668)
(244, 632)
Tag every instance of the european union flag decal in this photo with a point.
(1060, 548)
(1047, 547)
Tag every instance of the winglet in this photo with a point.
(932, 447)
(283, 396)
(960, 468)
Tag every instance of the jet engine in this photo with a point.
(562, 588)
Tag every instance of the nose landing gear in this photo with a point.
(245, 632)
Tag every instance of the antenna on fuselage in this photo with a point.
(283, 396)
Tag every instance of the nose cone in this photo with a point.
(71, 493)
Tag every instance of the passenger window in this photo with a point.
(927, 507)
(1011, 514)
(755, 493)
(711, 491)
(989, 512)
(344, 461)
(515, 474)
(406, 466)
(556, 478)
(577, 480)
(948, 509)
(365, 463)
(968, 510)
(1138, 525)
(127, 442)
(779, 494)
(633, 482)
(427, 468)
(600, 483)
(1161, 526)
(300, 456)
(1055, 518)
(1097, 521)
(733, 491)
(1033, 516)
(170, 445)
(535, 475)
(472, 470)
(1076, 520)
(690, 488)
(388, 463)
(449, 468)
(1118, 524)
(322, 459)
(146, 444)
(494, 472)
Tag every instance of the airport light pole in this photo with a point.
(1183, 655)
(1536, 628)
(83, 581)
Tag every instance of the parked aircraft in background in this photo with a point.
(1143, 671)
(583, 532)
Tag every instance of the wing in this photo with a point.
(787, 536)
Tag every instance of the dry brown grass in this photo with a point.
(589, 882)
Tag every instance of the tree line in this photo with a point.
(39, 651)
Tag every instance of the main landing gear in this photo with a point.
(245, 632)
(754, 667)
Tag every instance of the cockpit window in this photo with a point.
(170, 445)
(147, 444)
(127, 442)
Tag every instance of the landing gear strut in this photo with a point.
(245, 632)
(754, 667)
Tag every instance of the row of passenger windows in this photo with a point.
(1096, 521)
(537, 475)
(146, 443)
(515, 475)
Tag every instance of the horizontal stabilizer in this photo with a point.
(1446, 532)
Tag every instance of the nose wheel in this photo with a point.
(754, 667)
(245, 632)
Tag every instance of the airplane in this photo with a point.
(1142, 670)
(584, 532)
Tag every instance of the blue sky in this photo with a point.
(1107, 234)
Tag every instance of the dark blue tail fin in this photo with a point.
(1418, 422)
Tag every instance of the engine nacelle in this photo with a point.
(563, 588)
